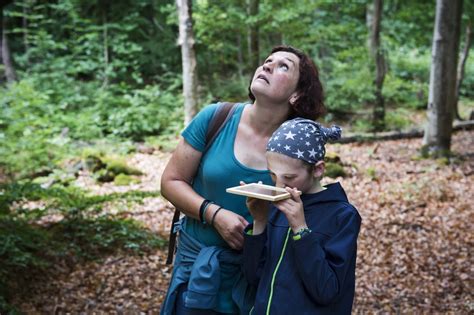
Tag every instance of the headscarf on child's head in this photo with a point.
(302, 139)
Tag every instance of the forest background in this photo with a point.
(85, 84)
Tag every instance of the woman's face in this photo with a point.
(277, 78)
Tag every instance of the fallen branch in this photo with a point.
(396, 135)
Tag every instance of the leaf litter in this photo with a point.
(414, 248)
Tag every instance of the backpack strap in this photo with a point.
(222, 114)
(218, 121)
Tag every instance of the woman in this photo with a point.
(207, 275)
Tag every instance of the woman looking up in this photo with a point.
(207, 275)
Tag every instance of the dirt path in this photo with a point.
(414, 247)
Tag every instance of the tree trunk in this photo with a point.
(461, 66)
(105, 39)
(254, 50)
(276, 38)
(2, 77)
(378, 119)
(24, 22)
(5, 51)
(240, 57)
(437, 137)
(186, 40)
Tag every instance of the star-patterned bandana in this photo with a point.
(302, 139)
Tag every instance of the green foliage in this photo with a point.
(94, 76)
(371, 173)
(400, 27)
(407, 94)
(428, 152)
(124, 180)
(165, 143)
(349, 86)
(92, 238)
(69, 201)
(147, 111)
(398, 119)
(37, 133)
(362, 124)
(107, 167)
(57, 176)
(467, 87)
(334, 170)
(216, 25)
(28, 248)
(24, 249)
(407, 82)
(117, 166)
(233, 90)
(30, 139)
(23, 246)
(114, 69)
(109, 73)
(334, 166)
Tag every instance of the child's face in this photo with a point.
(288, 172)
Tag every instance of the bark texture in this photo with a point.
(186, 41)
(441, 100)
(374, 20)
(462, 65)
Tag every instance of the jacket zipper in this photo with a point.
(276, 270)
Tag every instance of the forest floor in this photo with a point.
(414, 250)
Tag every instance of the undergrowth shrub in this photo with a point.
(29, 248)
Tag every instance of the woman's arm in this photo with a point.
(176, 187)
(177, 178)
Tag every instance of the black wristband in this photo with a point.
(203, 206)
(214, 215)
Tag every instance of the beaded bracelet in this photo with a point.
(202, 208)
(214, 215)
(301, 233)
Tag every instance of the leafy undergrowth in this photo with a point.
(414, 251)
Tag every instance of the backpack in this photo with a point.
(222, 114)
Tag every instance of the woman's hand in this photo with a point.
(293, 210)
(231, 227)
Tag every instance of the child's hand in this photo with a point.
(259, 209)
(293, 209)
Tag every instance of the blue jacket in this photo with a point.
(200, 267)
(313, 275)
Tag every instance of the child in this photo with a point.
(300, 253)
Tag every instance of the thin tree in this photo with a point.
(461, 66)
(104, 8)
(186, 40)
(24, 21)
(374, 18)
(254, 49)
(4, 47)
(441, 100)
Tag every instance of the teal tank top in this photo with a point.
(219, 169)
